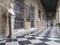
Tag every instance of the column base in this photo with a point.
(11, 37)
(2, 37)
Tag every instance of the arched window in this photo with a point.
(18, 8)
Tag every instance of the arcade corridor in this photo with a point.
(29, 22)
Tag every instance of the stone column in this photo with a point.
(2, 21)
(58, 9)
(59, 14)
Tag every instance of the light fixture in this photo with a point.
(49, 14)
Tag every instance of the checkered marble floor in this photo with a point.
(48, 37)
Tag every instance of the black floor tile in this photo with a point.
(20, 37)
(24, 42)
(30, 38)
(2, 43)
(10, 40)
(40, 44)
(58, 41)
(45, 40)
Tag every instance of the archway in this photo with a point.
(51, 19)
(2, 22)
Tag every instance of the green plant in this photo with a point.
(58, 24)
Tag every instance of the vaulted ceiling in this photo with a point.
(49, 5)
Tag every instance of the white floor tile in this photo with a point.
(28, 36)
(22, 39)
(3, 41)
(52, 43)
(12, 43)
(35, 41)
(53, 38)
(39, 37)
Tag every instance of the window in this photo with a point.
(27, 13)
(32, 13)
(43, 17)
(18, 8)
(19, 1)
(32, 16)
(39, 14)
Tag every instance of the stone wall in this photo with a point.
(4, 17)
(3, 20)
(38, 6)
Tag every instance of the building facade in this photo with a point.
(25, 16)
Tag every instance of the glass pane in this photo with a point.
(39, 14)
(19, 1)
(27, 13)
(18, 24)
(32, 16)
(18, 7)
(19, 16)
(32, 23)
